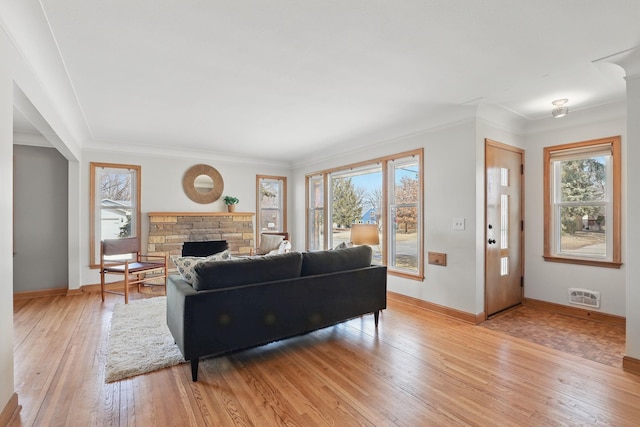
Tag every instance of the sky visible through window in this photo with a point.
(370, 181)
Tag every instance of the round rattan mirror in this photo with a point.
(202, 184)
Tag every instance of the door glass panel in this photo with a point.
(504, 177)
(504, 221)
(504, 266)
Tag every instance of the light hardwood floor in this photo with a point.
(417, 369)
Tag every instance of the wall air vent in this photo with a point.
(584, 297)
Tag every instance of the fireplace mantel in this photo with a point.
(157, 214)
(169, 230)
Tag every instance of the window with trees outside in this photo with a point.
(315, 207)
(582, 203)
(271, 203)
(115, 204)
(386, 191)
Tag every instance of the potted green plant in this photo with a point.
(231, 203)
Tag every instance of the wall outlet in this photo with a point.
(458, 223)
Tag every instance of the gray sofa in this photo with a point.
(246, 302)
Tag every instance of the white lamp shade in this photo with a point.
(364, 234)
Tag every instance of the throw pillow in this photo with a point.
(269, 242)
(186, 264)
(343, 245)
(284, 247)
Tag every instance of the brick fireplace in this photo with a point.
(168, 230)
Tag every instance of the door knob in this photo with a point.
(492, 241)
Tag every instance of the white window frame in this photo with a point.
(608, 148)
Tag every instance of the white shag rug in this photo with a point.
(140, 341)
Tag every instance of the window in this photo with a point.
(582, 203)
(386, 192)
(315, 208)
(271, 203)
(356, 196)
(404, 212)
(115, 204)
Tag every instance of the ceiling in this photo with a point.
(287, 80)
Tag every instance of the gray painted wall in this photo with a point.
(40, 259)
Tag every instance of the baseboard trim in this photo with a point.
(66, 292)
(441, 309)
(109, 286)
(631, 365)
(583, 313)
(40, 294)
(10, 411)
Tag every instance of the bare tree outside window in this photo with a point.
(115, 204)
(271, 203)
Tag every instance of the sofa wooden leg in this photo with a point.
(194, 369)
(376, 316)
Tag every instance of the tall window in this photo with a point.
(404, 211)
(356, 196)
(387, 192)
(271, 203)
(115, 204)
(582, 203)
(315, 208)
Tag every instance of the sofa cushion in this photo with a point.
(243, 271)
(322, 262)
(186, 264)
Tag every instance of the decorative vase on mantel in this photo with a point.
(231, 208)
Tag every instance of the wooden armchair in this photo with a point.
(132, 265)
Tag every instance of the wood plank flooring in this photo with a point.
(417, 369)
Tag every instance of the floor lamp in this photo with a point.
(364, 234)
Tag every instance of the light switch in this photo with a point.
(458, 223)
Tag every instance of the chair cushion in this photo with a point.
(243, 271)
(323, 262)
(186, 264)
(269, 242)
(134, 267)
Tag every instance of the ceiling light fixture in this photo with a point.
(560, 110)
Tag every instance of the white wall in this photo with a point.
(6, 221)
(450, 163)
(162, 189)
(549, 281)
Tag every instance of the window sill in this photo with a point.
(583, 261)
(405, 275)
